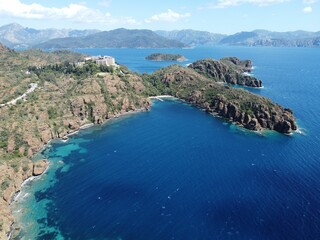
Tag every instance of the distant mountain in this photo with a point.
(15, 35)
(274, 39)
(193, 37)
(118, 38)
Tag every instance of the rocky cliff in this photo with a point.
(12, 175)
(230, 70)
(67, 97)
(249, 110)
(254, 114)
(243, 66)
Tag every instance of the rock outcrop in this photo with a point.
(221, 71)
(39, 167)
(12, 175)
(256, 115)
(241, 65)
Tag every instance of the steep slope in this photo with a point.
(118, 38)
(227, 70)
(66, 98)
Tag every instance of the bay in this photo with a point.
(178, 173)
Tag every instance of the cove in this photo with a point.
(175, 172)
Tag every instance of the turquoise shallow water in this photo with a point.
(178, 173)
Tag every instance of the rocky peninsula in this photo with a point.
(227, 70)
(166, 57)
(246, 109)
(69, 96)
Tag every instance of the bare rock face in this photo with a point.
(39, 167)
(12, 176)
(241, 65)
(46, 134)
(261, 116)
(232, 73)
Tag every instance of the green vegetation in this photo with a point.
(70, 95)
(89, 68)
(52, 112)
(4, 135)
(5, 184)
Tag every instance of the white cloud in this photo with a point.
(307, 9)
(16, 8)
(73, 12)
(168, 16)
(309, 1)
(232, 3)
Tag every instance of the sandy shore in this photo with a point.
(161, 96)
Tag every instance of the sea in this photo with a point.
(177, 172)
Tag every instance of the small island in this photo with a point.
(166, 57)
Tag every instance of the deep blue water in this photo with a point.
(178, 173)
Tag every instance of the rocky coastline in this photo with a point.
(31, 170)
(261, 118)
(228, 70)
(70, 97)
(240, 106)
(19, 175)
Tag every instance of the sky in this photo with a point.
(219, 16)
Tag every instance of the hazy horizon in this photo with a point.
(185, 29)
(219, 16)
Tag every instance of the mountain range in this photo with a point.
(118, 38)
(17, 36)
(193, 37)
(275, 39)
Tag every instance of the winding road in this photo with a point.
(33, 87)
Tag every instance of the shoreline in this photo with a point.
(32, 178)
(161, 96)
(89, 125)
(16, 198)
(20, 177)
(215, 114)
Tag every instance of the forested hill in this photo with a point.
(119, 38)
